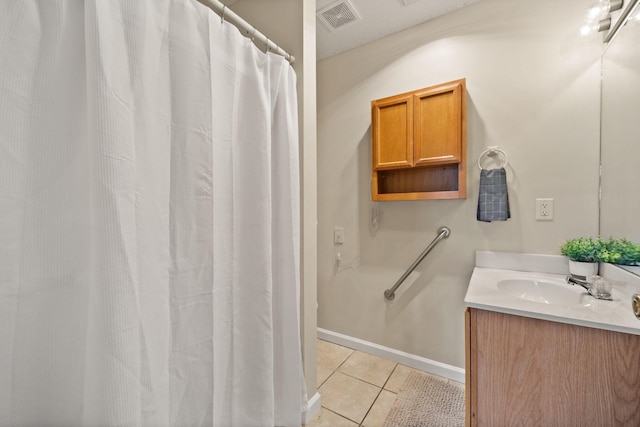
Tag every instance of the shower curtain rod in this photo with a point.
(249, 30)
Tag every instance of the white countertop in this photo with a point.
(483, 293)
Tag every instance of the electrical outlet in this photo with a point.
(338, 236)
(544, 209)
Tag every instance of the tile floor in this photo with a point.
(357, 389)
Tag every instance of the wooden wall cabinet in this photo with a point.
(532, 372)
(419, 144)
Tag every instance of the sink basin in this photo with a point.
(544, 291)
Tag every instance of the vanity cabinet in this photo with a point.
(419, 144)
(532, 372)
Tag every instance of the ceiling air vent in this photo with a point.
(338, 14)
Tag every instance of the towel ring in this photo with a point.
(492, 151)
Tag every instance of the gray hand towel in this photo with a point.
(493, 199)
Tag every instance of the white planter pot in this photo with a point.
(583, 269)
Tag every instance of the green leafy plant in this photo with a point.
(614, 251)
(583, 249)
(621, 251)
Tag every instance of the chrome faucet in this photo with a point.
(590, 288)
(574, 281)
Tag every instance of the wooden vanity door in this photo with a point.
(535, 372)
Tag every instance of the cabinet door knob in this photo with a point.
(635, 304)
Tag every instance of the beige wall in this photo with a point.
(532, 91)
(291, 24)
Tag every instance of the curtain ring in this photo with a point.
(253, 34)
(266, 44)
(224, 6)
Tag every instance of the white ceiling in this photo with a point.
(379, 18)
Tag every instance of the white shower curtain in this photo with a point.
(149, 219)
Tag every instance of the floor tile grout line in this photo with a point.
(346, 358)
(383, 386)
(370, 407)
(333, 371)
(327, 379)
(365, 381)
(355, 378)
(380, 392)
(380, 388)
(390, 375)
(395, 365)
(341, 416)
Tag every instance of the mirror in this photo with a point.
(620, 133)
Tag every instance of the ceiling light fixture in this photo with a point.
(629, 16)
(597, 18)
(601, 9)
(595, 27)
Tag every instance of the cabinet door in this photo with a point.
(437, 124)
(392, 132)
(537, 372)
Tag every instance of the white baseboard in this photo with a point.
(313, 406)
(427, 365)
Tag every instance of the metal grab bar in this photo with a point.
(443, 233)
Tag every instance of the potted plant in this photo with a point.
(621, 252)
(584, 254)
